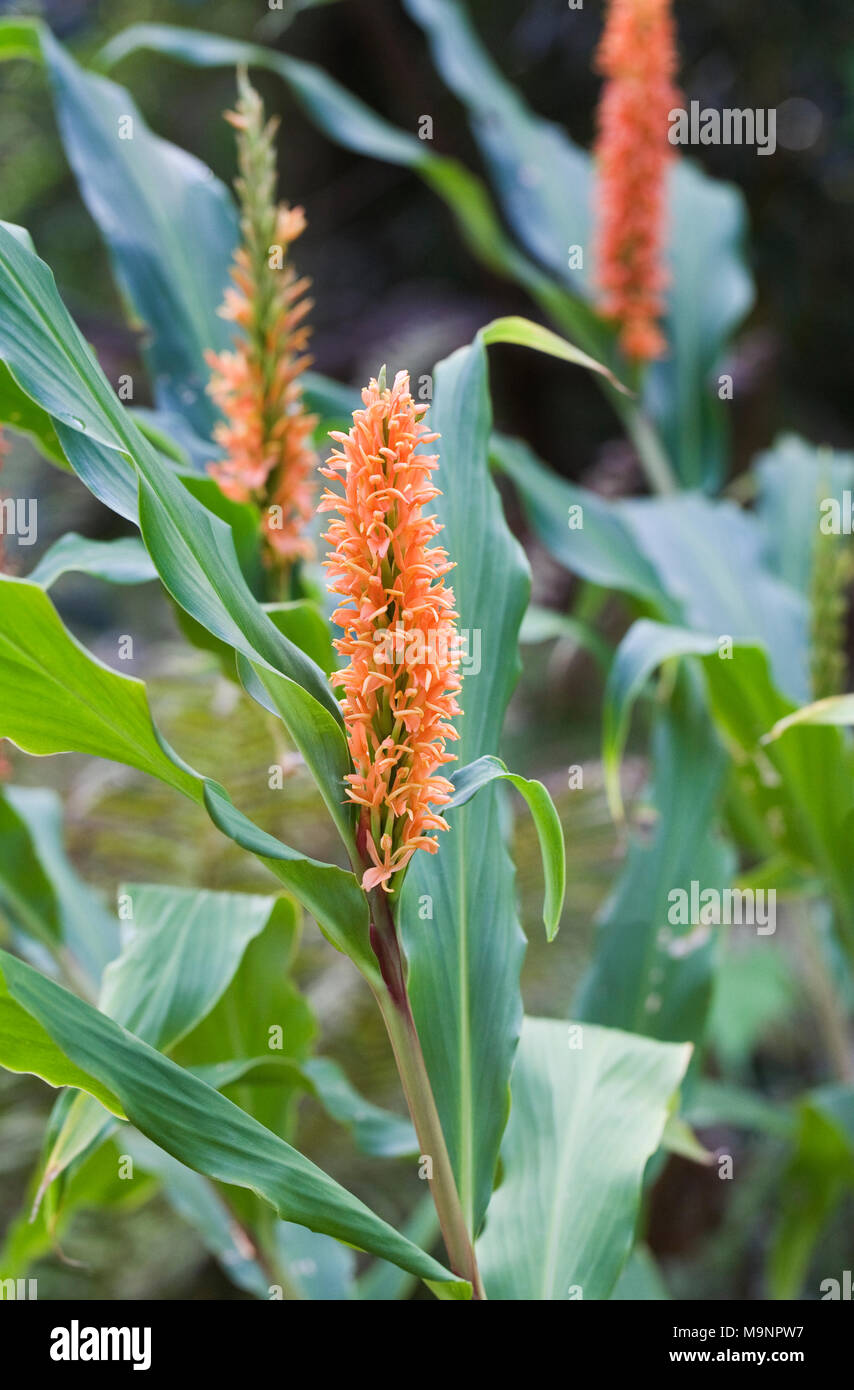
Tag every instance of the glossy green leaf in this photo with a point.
(467, 783)
(836, 709)
(688, 560)
(27, 1046)
(524, 333)
(26, 892)
(123, 561)
(156, 206)
(86, 927)
(204, 1130)
(24, 417)
(375, 1131)
(55, 697)
(331, 895)
(197, 1202)
(819, 1174)
(349, 122)
(648, 975)
(807, 817)
(184, 948)
(589, 1109)
(642, 651)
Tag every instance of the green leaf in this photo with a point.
(332, 895)
(793, 478)
(524, 333)
(350, 123)
(197, 1202)
(25, 417)
(820, 1173)
(468, 782)
(756, 991)
(155, 206)
(185, 947)
(87, 928)
(836, 709)
(303, 624)
(385, 1283)
(642, 650)
(27, 1046)
(546, 185)
(589, 1109)
(457, 913)
(26, 891)
(192, 549)
(375, 1131)
(602, 548)
(55, 697)
(647, 975)
(204, 1130)
(253, 1042)
(666, 552)
(123, 561)
(317, 1268)
(541, 177)
(806, 817)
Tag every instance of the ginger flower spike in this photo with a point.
(265, 434)
(638, 57)
(400, 639)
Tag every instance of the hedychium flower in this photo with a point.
(399, 683)
(400, 640)
(638, 58)
(265, 435)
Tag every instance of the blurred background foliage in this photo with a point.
(393, 282)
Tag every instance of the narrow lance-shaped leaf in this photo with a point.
(192, 549)
(589, 1109)
(201, 1128)
(56, 698)
(650, 975)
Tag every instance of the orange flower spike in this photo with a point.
(265, 434)
(638, 57)
(399, 627)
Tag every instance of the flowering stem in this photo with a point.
(394, 1005)
(650, 451)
